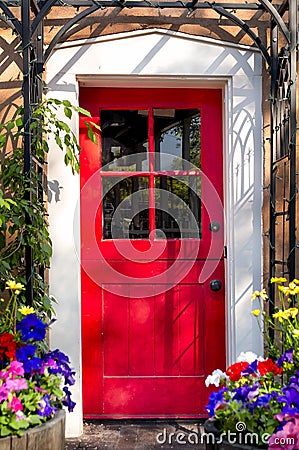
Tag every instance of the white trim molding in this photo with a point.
(162, 58)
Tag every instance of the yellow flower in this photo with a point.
(280, 315)
(278, 280)
(296, 333)
(13, 286)
(25, 310)
(296, 281)
(261, 294)
(1, 300)
(291, 312)
(291, 289)
(256, 312)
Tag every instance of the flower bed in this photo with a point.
(33, 380)
(258, 399)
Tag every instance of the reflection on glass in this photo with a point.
(125, 208)
(124, 136)
(177, 139)
(178, 207)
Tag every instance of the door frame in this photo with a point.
(239, 73)
(209, 102)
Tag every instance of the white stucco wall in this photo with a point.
(164, 58)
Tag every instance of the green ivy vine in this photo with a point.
(20, 194)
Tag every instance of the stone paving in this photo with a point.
(138, 435)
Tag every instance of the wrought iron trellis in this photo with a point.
(281, 64)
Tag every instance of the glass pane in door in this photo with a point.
(178, 207)
(124, 137)
(125, 208)
(177, 139)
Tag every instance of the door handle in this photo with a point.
(215, 285)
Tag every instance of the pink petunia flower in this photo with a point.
(16, 368)
(287, 438)
(16, 384)
(15, 404)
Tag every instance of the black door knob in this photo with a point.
(215, 285)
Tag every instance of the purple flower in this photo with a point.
(215, 400)
(290, 395)
(4, 391)
(26, 356)
(32, 327)
(288, 411)
(286, 438)
(45, 407)
(58, 362)
(251, 369)
(246, 393)
(67, 401)
(295, 379)
(286, 357)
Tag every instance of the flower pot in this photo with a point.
(216, 441)
(49, 436)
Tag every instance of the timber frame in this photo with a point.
(27, 17)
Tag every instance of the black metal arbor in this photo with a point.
(26, 18)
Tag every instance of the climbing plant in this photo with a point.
(23, 208)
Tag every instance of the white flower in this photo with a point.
(249, 357)
(215, 378)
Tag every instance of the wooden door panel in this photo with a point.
(160, 397)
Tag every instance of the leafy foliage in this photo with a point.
(23, 212)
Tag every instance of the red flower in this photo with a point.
(268, 366)
(234, 371)
(7, 346)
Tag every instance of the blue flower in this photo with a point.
(61, 365)
(294, 379)
(286, 357)
(26, 355)
(289, 411)
(290, 393)
(216, 399)
(45, 408)
(246, 393)
(67, 401)
(32, 327)
(252, 368)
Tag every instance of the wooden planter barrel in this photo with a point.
(49, 436)
(210, 427)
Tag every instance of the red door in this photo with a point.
(153, 320)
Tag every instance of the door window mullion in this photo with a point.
(151, 149)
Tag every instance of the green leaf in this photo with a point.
(96, 125)
(63, 126)
(35, 419)
(19, 122)
(66, 103)
(91, 136)
(10, 125)
(58, 140)
(3, 139)
(5, 264)
(68, 112)
(4, 431)
(83, 111)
